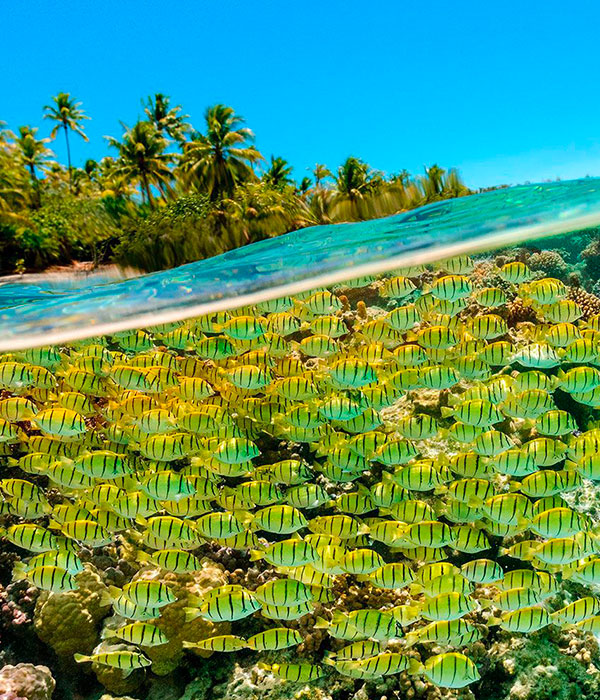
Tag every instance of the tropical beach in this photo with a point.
(172, 194)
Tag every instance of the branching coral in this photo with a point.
(519, 311)
(589, 303)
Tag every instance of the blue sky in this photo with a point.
(506, 91)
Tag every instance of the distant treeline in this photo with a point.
(172, 194)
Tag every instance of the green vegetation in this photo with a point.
(170, 194)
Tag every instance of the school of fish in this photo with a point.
(160, 431)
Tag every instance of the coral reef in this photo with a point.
(545, 665)
(69, 622)
(166, 657)
(113, 679)
(588, 301)
(591, 258)
(550, 262)
(26, 681)
(519, 311)
(17, 603)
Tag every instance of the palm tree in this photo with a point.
(305, 185)
(354, 183)
(320, 172)
(90, 167)
(142, 159)
(320, 205)
(112, 181)
(33, 154)
(432, 182)
(401, 178)
(278, 173)
(319, 198)
(453, 184)
(256, 212)
(66, 113)
(166, 118)
(14, 188)
(216, 162)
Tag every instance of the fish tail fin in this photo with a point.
(321, 624)
(142, 557)
(411, 639)
(19, 571)
(108, 595)
(415, 667)
(256, 555)
(195, 600)
(191, 614)
(474, 502)
(338, 617)
(107, 633)
(453, 400)
(81, 657)
(446, 411)
(245, 517)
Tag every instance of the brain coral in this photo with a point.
(550, 262)
(68, 622)
(26, 681)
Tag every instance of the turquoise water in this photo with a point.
(51, 310)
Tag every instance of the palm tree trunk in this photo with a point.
(68, 156)
(36, 187)
(147, 190)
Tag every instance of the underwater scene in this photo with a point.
(380, 487)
